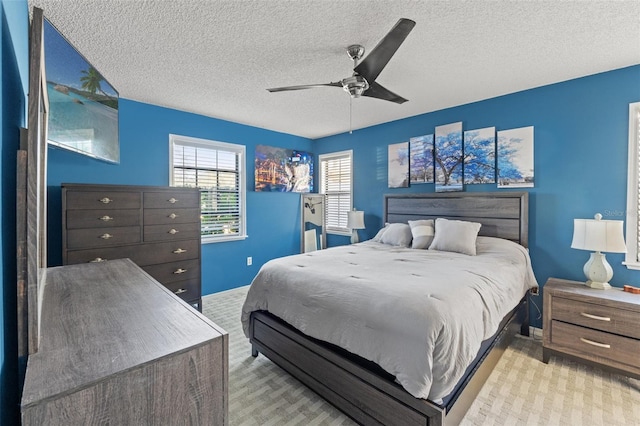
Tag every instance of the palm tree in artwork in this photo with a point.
(91, 80)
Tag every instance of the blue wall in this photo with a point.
(14, 25)
(273, 219)
(580, 157)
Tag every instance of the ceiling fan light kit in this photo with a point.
(362, 82)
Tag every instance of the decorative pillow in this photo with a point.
(378, 236)
(422, 232)
(455, 235)
(397, 234)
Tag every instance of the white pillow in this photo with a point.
(379, 234)
(455, 235)
(422, 232)
(397, 234)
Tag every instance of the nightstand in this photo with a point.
(599, 327)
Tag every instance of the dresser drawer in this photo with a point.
(186, 290)
(171, 232)
(169, 216)
(172, 199)
(142, 255)
(592, 315)
(102, 237)
(595, 343)
(101, 218)
(175, 271)
(103, 200)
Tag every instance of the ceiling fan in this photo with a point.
(363, 80)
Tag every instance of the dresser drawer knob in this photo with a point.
(179, 271)
(600, 345)
(180, 291)
(97, 260)
(173, 216)
(595, 317)
(106, 236)
(179, 251)
(106, 200)
(106, 218)
(172, 200)
(173, 231)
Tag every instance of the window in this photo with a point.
(336, 183)
(632, 259)
(217, 168)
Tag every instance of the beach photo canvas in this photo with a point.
(398, 165)
(480, 156)
(448, 157)
(283, 170)
(515, 158)
(83, 106)
(421, 168)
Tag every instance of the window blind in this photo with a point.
(336, 184)
(637, 178)
(216, 169)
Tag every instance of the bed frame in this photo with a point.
(360, 388)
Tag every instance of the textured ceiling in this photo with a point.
(217, 57)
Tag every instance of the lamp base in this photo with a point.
(598, 271)
(354, 236)
(598, 285)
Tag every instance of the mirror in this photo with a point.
(313, 235)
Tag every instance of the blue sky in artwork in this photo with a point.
(64, 64)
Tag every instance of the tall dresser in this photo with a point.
(158, 228)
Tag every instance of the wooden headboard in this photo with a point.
(502, 214)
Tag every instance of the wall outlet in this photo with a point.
(249, 261)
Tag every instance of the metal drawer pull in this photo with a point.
(173, 231)
(179, 250)
(106, 218)
(180, 291)
(106, 200)
(172, 200)
(106, 236)
(179, 271)
(173, 216)
(97, 260)
(595, 317)
(600, 345)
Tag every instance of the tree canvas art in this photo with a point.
(448, 157)
(515, 158)
(421, 159)
(398, 165)
(480, 156)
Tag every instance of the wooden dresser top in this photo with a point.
(613, 297)
(100, 319)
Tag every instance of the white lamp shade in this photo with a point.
(355, 219)
(598, 235)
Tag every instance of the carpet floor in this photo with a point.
(521, 390)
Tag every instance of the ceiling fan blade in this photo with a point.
(378, 91)
(304, 86)
(374, 63)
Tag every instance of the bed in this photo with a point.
(385, 383)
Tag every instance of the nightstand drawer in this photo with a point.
(592, 343)
(592, 315)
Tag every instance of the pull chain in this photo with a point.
(350, 115)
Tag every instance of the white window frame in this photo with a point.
(240, 150)
(633, 187)
(328, 157)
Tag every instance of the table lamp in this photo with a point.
(599, 236)
(355, 221)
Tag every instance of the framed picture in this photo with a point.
(515, 158)
(399, 165)
(448, 157)
(421, 168)
(283, 170)
(480, 156)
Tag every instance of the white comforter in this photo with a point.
(419, 314)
